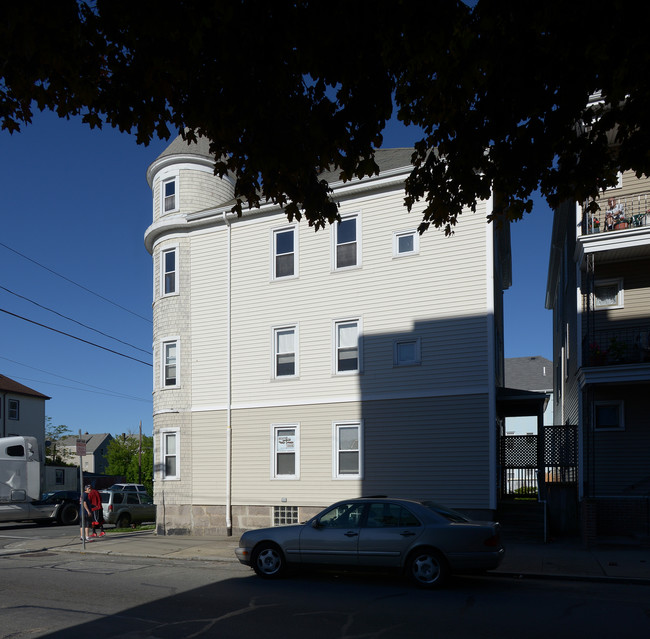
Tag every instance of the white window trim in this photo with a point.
(274, 232)
(163, 344)
(416, 243)
(334, 243)
(163, 454)
(335, 449)
(274, 469)
(621, 415)
(170, 175)
(335, 349)
(274, 354)
(418, 351)
(168, 249)
(606, 282)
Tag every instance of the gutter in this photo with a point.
(228, 377)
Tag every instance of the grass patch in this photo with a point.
(131, 528)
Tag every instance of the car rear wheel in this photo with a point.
(428, 568)
(124, 521)
(68, 514)
(268, 561)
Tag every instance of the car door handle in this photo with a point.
(407, 533)
(351, 533)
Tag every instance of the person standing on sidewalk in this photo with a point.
(84, 511)
(97, 511)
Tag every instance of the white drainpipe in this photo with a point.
(228, 383)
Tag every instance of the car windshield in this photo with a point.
(448, 513)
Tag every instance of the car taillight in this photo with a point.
(110, 508)
(492, 541)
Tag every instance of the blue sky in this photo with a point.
(74, 210)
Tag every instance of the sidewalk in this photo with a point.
(566, 559)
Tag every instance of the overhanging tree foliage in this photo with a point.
(285, 90)
(126, 459)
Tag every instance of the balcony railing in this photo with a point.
(617, 214)
(617, 346)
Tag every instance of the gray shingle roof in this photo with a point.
(93, 440)
(529, 373)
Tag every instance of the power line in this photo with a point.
(67, 279)
(75, 321)
(110, 350)
(97, 388)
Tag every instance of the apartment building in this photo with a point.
(293, 368)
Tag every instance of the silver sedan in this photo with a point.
(425, 540)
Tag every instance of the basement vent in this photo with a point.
(284, 515)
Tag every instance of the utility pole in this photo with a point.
(140, 456)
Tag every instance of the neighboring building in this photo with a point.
(293, 368)
(599, 290)
(532, 374)
(95, 460)
(22, 411)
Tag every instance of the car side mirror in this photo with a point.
(315, 523)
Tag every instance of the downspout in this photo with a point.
(3, 412)
(228, 381)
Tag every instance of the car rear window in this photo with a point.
(448, 513)
(105, 497)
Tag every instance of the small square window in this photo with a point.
(608, 294)
(285, 515)
(406, 352)
(608, 415)
(405, 243)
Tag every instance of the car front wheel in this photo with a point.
(68, 514)
(268, 561)
(427, 568)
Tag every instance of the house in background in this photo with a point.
(533, 373)
(94, 460)
(22, 411)
(294, 368)
(599, 290)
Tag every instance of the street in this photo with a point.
(58, 594)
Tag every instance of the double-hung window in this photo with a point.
(347, 451)
(13, 409)
(169, 451)
(169, 269)
(285, 351)
(286, 451)
(169, 195)
(346, 249)
(170, 364)
(284, 253)
(347, 346)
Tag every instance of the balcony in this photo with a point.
(618, 214)
(613, 347)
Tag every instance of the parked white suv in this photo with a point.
(137, 487)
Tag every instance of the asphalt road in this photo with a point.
(61, 595)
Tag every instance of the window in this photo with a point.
(170, 364)
(284, 351)
(608, 415)
(405, 243)
(169, 448)
(284, 253)
(406, 352)
(384, 515)
(285, 451)
(169, 195)
(13, 411)
(342, 516)
(347, 450)
(169, 272)
(608, 294)
(347, 347)
(285, 515)
(346, 234)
